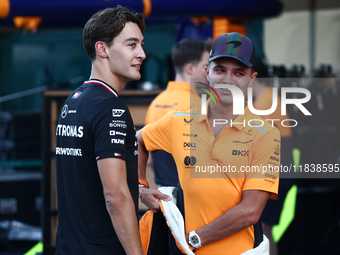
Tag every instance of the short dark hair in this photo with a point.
(188, 51)
(106, 24)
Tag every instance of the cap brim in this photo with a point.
(247, 63)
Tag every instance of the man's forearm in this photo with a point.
(231, 222)
(124, 220)
(237, 218)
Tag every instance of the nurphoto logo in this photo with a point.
(238, 102)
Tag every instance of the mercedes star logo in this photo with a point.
(64, 111)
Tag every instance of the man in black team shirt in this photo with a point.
(96, 144)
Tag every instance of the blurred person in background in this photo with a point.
(190, 57)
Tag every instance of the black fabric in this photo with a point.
(173, 249)
(161, 240)
(180, 200)
(159, 243)
(164, 168)
(96, 125)
(258, 233)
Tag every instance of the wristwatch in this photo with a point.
(194, 240)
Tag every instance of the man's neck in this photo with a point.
(100, 72)
(183, 78)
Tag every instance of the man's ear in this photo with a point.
(206, 68)
(189, 69)
(252, 79)
(101, 49)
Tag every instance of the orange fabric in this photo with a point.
(177, 96)
(264, 102)
(147, 7)
(145, 227)
(222, 25)
(4, 8)
(30, 23)
(188, 137)
(143, 182)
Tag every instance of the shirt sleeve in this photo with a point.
(265, 163)
(158, 135)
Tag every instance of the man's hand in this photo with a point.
(150, 198)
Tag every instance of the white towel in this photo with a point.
(174, 218)
(262, 249)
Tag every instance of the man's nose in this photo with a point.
(227, 78)
(141, 54)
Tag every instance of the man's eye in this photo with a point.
(133, 45)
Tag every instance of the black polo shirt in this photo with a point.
(94, 124)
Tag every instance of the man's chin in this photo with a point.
(137, 77)
(134, 77)
(227, 103)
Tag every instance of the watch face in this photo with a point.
(194, 240)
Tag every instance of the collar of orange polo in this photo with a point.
(180, 85)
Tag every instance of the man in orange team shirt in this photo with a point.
(189, 57)
(223, 198)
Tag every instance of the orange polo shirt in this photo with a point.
(264, 102)
(176, 96)
(207, 195)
